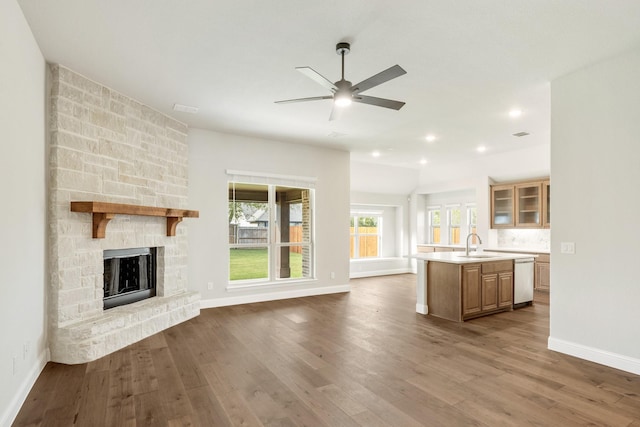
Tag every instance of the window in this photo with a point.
(434, 224)
(453, 222)
(270, 232)
(366, 235)
(472, 221)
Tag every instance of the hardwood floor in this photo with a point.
(359, 359)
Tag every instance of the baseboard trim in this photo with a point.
(273, 296)
(422, 309)
(603, 357)
(23, 391)
(361, 274)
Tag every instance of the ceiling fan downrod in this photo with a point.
(342, 49)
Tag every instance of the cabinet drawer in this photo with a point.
(494, 267)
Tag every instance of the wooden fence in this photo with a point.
(260, 235)
(368, 245)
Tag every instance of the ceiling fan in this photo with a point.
(344, 93)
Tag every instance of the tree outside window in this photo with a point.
(454, 221)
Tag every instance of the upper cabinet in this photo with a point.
(502, 206)
(529, 204)
(521, 204)
(546, 204)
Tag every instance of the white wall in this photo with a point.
(210, 155)
(382, 179)
(595, 160)
(396, 228)
(23, 213)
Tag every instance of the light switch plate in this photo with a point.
(568, 248)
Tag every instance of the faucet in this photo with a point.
(466, 252)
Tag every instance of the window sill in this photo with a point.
(241, 286)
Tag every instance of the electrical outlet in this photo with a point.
(567, 247)
(210, 286)
(333, 275)
(25, 350)
(15, 365)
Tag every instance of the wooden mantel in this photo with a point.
(104, 212)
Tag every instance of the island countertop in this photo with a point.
(461, 258)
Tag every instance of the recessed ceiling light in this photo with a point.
(185, 108)
(423, 161)
(515, 113)
(376, 154)
(430, 138)
(481, 149)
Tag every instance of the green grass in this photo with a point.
(246, 264)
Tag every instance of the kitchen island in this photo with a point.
(457, 287)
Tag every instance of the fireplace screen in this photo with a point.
(129, 276)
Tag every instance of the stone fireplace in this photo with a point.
(107, 147)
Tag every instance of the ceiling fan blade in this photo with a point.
(317, 77)
(379, 102)
(378, 79)
(313, 98)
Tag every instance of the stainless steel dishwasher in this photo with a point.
(523, 282)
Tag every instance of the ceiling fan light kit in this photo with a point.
(344, 93)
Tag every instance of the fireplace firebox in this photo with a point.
(129, 276)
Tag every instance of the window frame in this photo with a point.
(431, 227)
(355, 217)
(273, 244)
(450, 227)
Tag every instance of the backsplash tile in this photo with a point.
(525, 238)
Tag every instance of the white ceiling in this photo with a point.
(468, 63)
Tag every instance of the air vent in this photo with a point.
(185, 108)
(520, 134)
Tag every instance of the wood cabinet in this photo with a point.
(471, 290)
(505, 289)
(521, 205)
(486, 288)
(542, 273)
(528, 199)
(546, 204)
(502, 206)
(489, 292)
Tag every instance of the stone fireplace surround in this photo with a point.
(107, 147)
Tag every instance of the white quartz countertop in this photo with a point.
(490, 249)
(460, 258)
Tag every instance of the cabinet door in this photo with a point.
(471, 302)
(546, 204)
(542, 279)
(489, 292)
(505, 289)
(529, 205)
(502, 206)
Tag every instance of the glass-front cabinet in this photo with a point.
(521, 205)
(546, 204)
(502, 206)
(529, 205)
